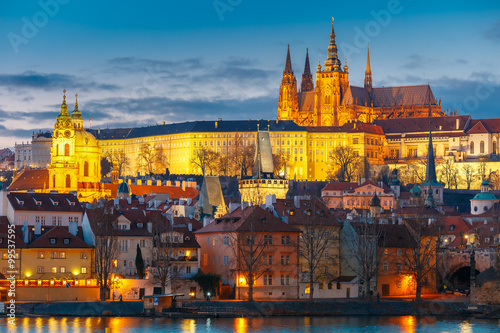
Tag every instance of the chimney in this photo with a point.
(139, 181)
(73, 228)
(99, 131)
(141, 200)
(158, 183)
(178, 183)
(190, 226)
(183, 185)
(25, 232)
(296, 201)
(458, 123)
(150, 227)
(233, 206)
(38, 229)
(129, 200)
(169, 183)
(150, 182)
(270, 200)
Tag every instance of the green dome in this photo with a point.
(124, 188)
(485, 183)
(485, 196)
(415, 191)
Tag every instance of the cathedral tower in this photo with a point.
(331, 84)
(307, 79)
(288, 105)
(368, 73)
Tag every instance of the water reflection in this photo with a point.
(361, 324)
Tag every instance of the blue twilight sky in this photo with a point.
(140, 63)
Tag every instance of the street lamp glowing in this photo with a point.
(466, 236)
(28, 275)
(242, 280)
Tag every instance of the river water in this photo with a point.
(352, 324)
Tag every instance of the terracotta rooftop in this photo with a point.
(35, 179)
(421, 125)
(175, 192)
(56, 237)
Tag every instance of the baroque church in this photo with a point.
(334, 102)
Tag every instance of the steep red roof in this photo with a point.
(36, 179)
(175, 192)
(240, 220)
(303, 214)
(59, 234)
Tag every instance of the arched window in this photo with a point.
(481, 147)
(57, 150)
(494, 147)
(85, 169)
(68, 181)
(471, 147)
(66, 149)
(54, 181)
(328, 99)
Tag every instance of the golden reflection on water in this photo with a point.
(188, 326)
(241, 325)
(465, 327)
(408, 324)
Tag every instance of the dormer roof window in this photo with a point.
(53, 241)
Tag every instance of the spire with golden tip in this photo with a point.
(368, 73)
(64, 107)
(332, 62)
(288, 65)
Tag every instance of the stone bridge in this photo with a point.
(453, 265)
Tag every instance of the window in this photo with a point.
(66, 150)
(386, 266)
(208, 241)
(83, 255)
(386, 251)
(481, 147)
(66, 241)
(41, 255)
(268, 279)
(68, 181)
(142, 243)
(226, 260)
(355, 141)
(226, 240)
(115, 263)
(62, 255)
(398, 265)
(54, 269)
(321, 285)
(176, 269)
(62, 269)
(285, 240)
(268, 239)
(54, 219)
(285, 259)
(55, 255)
(40, 269)
(59, 221)
(471, 147)
(268, 260)
(400, 252)
(188, 269)
(83, 270)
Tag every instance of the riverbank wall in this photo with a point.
(258, 308)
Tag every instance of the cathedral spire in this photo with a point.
(288, 66)
(430, 172)
(64, 107)
(332, 62)
(307, 83)
(368, 73)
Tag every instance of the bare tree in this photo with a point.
(449, 172)
(121, 159)
(163, 250)
(319, 235)
(469, 172)
(104, 227)
(483, 160)
(250, 242)
(280, 160)
(345, 164)
(205, 159)
(241, 156)
(152, 158)
(420, 260)
(361, 250)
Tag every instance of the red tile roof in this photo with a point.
(340, 187)
(303, 214)
(240, 220)
(59, 234)
(175, 192)
(36, 179)
(421, 125)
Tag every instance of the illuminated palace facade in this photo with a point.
(333, 101)
(307, 148)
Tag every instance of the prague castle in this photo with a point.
(333, 101)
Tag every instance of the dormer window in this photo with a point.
(66, 241)
(140, 225)
(452, 227)
(53, 241)
(39, 204)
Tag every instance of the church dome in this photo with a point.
(124, 188)
(415, 191)
(85, 139)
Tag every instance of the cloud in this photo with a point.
(50, 81)
(493, 32)
(416, 61)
